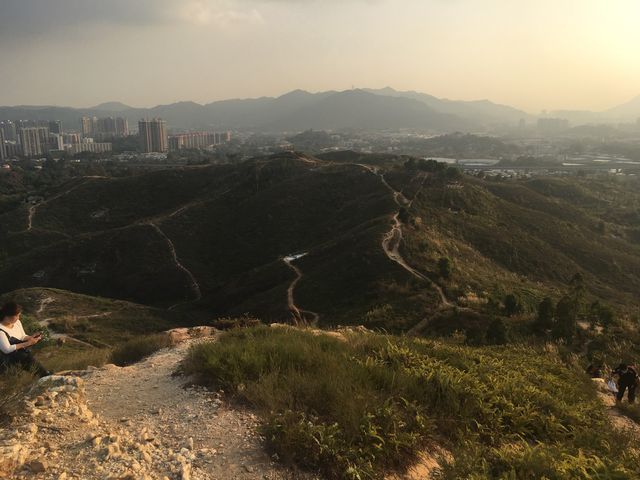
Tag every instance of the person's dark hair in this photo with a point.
(9, 309)
(622, 366)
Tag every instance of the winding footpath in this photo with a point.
(34, 207)
(46, 300)
(300, 316)
(392, 240)
(193, 283)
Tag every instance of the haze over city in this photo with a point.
(532, 55)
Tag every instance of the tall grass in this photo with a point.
(361, 408)
(74, 359)
(138, 348)
(14, 383)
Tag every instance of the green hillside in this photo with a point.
(357, 405)
(211, 239)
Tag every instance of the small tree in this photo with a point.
(511, 305)
(444, 267)
(544, 320)
(453, 173)
(497, 333)
(566, 324)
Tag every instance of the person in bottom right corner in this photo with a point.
(627, 380)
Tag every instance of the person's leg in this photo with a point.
(620, 395)
(632, 393)
(25, 359)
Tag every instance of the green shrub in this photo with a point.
(362, 406)
(444, 267)
(497, 333)
(138, 348)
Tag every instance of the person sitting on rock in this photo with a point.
(15, 343)
(627, 380)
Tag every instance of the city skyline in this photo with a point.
(535, 56)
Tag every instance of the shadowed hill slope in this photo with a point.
(213, 238)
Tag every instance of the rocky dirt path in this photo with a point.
(140, 422)
(300, 316)
(618, 420)
(393, 238)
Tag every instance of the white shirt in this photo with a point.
(16, 331)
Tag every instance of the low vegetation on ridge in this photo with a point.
(364, 404)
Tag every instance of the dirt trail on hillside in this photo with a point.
(393, 238)
(300, 315)
(33, 208)
(139, 423)
(147, 397)
(618, 420)
(194, 285)
(44, 322)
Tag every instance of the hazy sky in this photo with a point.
(532, 54)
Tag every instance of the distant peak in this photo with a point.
(296, 93)
(111, 106)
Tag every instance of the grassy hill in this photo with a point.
(211, 239)
(358, 405)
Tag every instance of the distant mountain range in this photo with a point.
(381, 109)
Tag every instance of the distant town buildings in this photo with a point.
(105, 128)
(89, 147)
(153, 135)
(70, 138)
(55, 126)
(56, 141)
(9, 130)
(197, 140)
(3, 151)
(89, 125)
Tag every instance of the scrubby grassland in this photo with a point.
(532, 235)
(107, 330)
(362, 405)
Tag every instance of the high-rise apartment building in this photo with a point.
(109, 128)
(3, 151)
(153, 135)
(70, 138)
(89, 126)
(9, 129)
(122, 127)
(55, 126)
(34, 140)
(56, 141)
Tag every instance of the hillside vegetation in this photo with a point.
(211, 239)
(361, 405)
(81, 330)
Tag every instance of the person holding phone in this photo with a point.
(15, 343)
